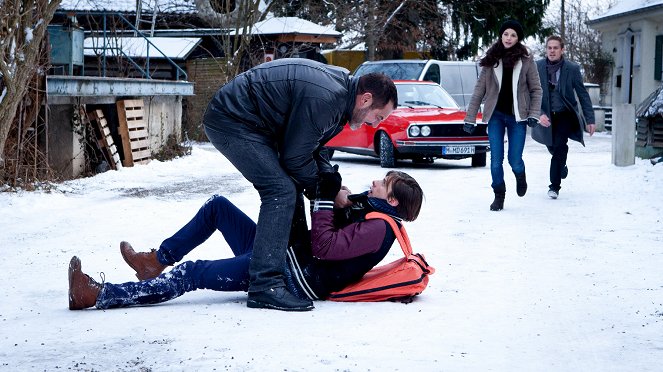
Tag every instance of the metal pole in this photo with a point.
(103, 74)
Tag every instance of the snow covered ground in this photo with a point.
(574, 284)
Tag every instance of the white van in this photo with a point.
(456, 77)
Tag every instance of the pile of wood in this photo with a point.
(133, 133)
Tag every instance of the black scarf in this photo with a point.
(364, 204)
(552, 68)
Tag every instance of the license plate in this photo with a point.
(458, 150)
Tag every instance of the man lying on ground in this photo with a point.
(341, 248)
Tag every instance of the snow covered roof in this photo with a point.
(292, 25)
(627, 7)
(174, 48)
(128, 6)
(652, 105)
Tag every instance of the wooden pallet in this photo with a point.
(133, 131)
(104, 138)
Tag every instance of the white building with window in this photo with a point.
(633, 34)
(632, 31)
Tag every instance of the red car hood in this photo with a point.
(418, 114)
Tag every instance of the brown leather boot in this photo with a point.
(83, 290)
(146, 264)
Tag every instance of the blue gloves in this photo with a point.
(469, 127)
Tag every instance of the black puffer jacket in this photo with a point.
(294, 104)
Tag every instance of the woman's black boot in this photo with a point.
(500, 193)
(521, 184)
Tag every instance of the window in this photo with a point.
(658, 57)
(433, 74)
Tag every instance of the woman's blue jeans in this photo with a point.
(498, 125)
(231, 274)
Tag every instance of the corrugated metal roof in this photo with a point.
(173, 48)
(129, 6)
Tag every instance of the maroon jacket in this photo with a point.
(341, 250)
(356, 239)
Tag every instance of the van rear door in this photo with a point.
(469, 76)
(452, 82)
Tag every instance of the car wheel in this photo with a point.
(387, 158)
(479, 160)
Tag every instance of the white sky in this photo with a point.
(573, 284)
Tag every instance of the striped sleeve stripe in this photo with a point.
(320, 204)
(299, 275)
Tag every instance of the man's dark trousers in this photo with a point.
(259, 163)
(563, 125)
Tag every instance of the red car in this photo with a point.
(426, 125)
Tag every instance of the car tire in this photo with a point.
(387, 151)
(479, 160)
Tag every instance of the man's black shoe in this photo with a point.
(278, 299)
(565, 172)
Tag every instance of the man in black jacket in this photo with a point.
(560, 116)
(271, 122)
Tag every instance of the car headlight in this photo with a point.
(425, 131)
(414, 131)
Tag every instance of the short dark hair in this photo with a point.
(555, 37)
(407, 191)
(380, 86)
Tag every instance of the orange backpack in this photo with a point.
(400, 280)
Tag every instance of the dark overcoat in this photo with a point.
(570, 84)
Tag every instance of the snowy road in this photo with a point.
(570, 284)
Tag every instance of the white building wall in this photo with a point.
(616, 40)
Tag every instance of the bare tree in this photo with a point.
(23, 26)
(580, 41)
(236, 17)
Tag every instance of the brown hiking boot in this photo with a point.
(83, 290)
(146, 264)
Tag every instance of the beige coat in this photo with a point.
(526, 88)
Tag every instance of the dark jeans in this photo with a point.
(498, 125)
(259, 164)
(231, 274)
(563, 125)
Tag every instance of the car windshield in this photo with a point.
(396, 71)
(411, 95)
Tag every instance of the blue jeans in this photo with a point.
(231, 274)
(259, 164)
(498, 124)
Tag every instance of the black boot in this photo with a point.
(521, 184)
(500, 193)
(278, 298)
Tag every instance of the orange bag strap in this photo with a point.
(400, 233)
